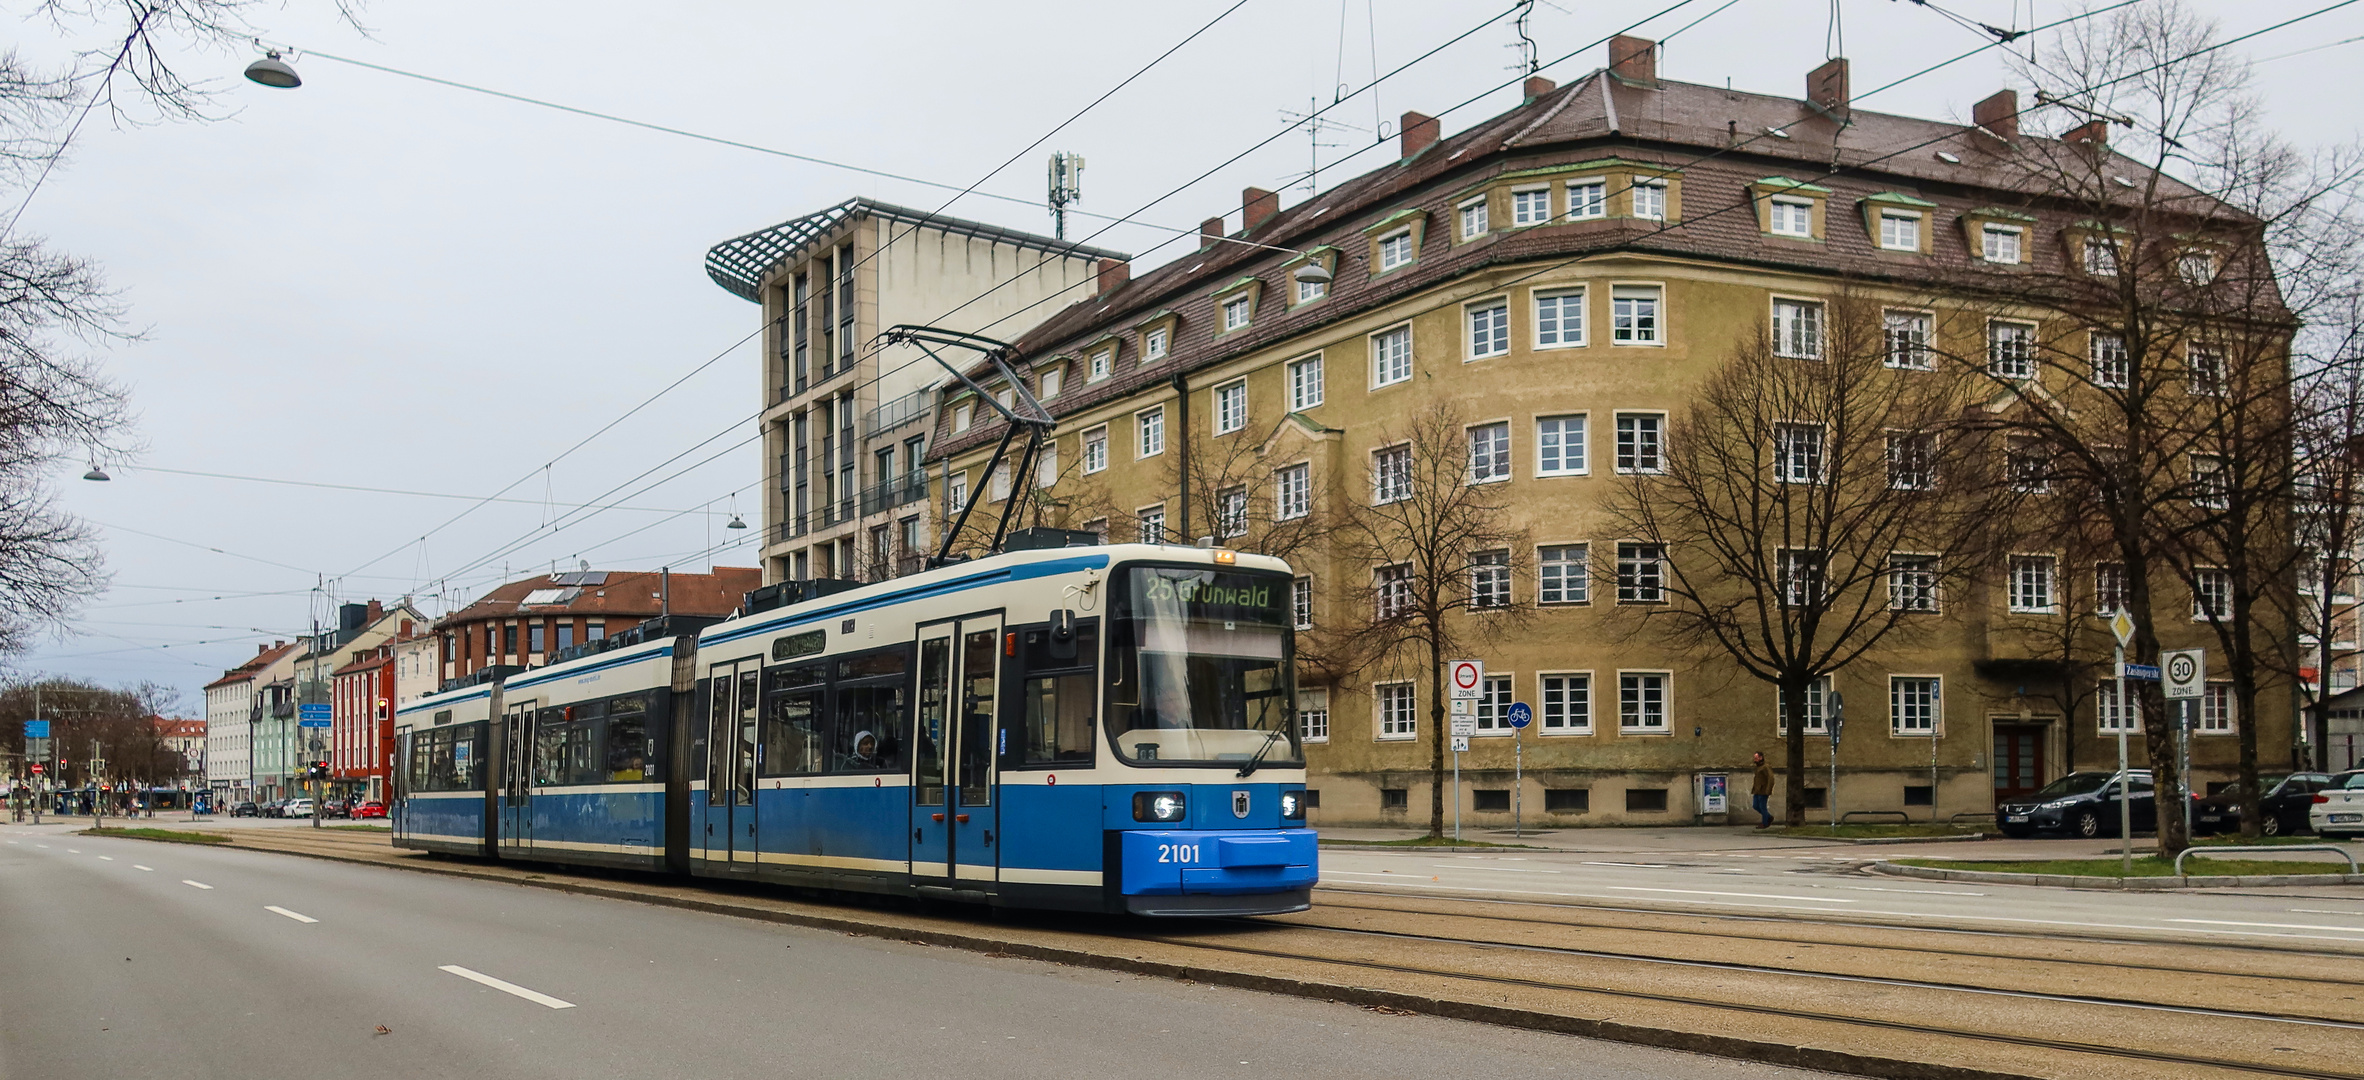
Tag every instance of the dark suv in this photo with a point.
(2285, 805)
(2081, 804)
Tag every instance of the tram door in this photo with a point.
(952, 762)
(517, 777)
(730, 764)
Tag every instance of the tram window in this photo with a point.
(582, 752)
(867, 736)
(549, 765)
(1059, 719)
(467, 757)
(627, 745)
(792, 738)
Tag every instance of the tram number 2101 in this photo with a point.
(1177, 853)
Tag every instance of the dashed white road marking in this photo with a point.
(43, 847)
(1750, 895)
(1496, 869)
(149, 869)
(195, 884)
(73, 851)
(534, 996)
(106, 858)
(2271, 925)
(296, 915)
(1634, 865)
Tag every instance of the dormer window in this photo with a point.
(1156, 333)
(1472, 215)
(1153, 345)
(2196, 267)
(1395, 250)
(2101, 258)
(1236, 304)
(1103, 361)
(1530, 206)
(1310, 291)
(1792, 217)
(1051, 382)
(2000, 243)
(1649, 200)
(1235, 313)
(1900, 230)
(1588, 199)
(962, 415)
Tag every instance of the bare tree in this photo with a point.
(1820, 499)
(2327, 511)
(1437, 552)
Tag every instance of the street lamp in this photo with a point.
(96, 473)
(273, 72)
(1312, 273)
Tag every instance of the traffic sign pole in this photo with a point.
(1465, 682)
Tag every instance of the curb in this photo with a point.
(1963, 839)
(1725, 1046)
(2078, 881)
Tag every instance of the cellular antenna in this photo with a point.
(1066, 187)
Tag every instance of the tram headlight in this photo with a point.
(1293, 805)
(1159, 806)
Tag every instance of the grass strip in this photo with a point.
(169, 836)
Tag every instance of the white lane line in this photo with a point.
(149, 869)
(507, 987)
(1635, 865)
(296, 915)
(73, 851)
(106, 858)
(43, 847)
(2271, 925)
(2321, 911)
(195, 884)
(1750, 895)
(1496, 869)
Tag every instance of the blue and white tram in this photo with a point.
(439, 775)
(1105, 728)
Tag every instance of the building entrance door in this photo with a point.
(2018, 760)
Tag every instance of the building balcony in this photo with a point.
(896, 413)
(900, 491)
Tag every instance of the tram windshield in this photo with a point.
(1199, 668)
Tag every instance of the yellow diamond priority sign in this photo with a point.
(2123, 626)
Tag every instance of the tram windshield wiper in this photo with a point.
(1249, 769)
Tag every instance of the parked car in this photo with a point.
(2285, 804)
(2083, 804)
(2338, 809)
(337, 808)
(370, 810)
(296, 808)
(245, 809)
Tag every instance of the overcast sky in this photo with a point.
(380, 282)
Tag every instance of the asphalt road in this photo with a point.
(131, 958)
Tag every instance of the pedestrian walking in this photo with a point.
(1760, 791)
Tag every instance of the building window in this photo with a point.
(1150, 426)
(1391, 475)
(1633, 315)
(1641, 700)
(1649, 199)
(1395, 712)
(1817, 697)
(1559, 446)
(1587, 199)
(2109, 589)
(1310, 291)
(956, 493)
(2212, 595)
(1391, 356)
(1152, 521)
(1235, 312)
(1301, 603)
(2101, 258)
(1103, 362)
(1793, 217)
(1489, 583)
(1473, 218)
(962, 415)
(1489, 453)
(1559, 319)
(1562, 574)
(1912, 461)
(2211, 484)
(1567, 704)
(1313, 715)
(1530, 207)
(2206, 366)
(1489, 329)
(2196, 267)
(1153, 345)
(1798, 572)
(1912, 583)
(1641, 443)
(1493, 708)
(2011, 350)
(534, 638)
(1050, 383)
(1395, 250)
(2112, 713)
(1305, 383)
(998, 483)
(1641, 574)
(2216, 709)
(1912, 704)
(1231, 512)
(2028, 463)
(1797, 453)
(1797, 330)
(1393, 586)
(2110, 370)
(1999, 243)
(1095, 449)
(1292, 496)
(1900, 231)
(2031, 584)
(1907, 339)
(1231, 407)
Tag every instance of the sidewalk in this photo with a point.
(1702, 838)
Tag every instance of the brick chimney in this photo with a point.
(1826, 86)
(2093, 133)
(1419, 133)
(1999, 114)
(1256, 206)
(1537, 86)
(1210, 232)
(1113, 275)
(1634, 59)
(376, 609)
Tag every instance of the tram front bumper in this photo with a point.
(1194, 862)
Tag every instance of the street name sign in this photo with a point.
(2139, 672)
(310, 722)
(2185, 672)
(313, 712)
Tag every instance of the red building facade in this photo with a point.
(361, 730)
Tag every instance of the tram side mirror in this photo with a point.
(1062, 643)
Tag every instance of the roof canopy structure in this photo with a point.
(740, 264)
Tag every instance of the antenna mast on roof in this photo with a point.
(1066, 187)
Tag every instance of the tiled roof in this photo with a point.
(1688, 129)
(630, 594)
(247, 671)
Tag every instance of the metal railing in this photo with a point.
(900, 491)
(2333, 848)
(901, 411)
